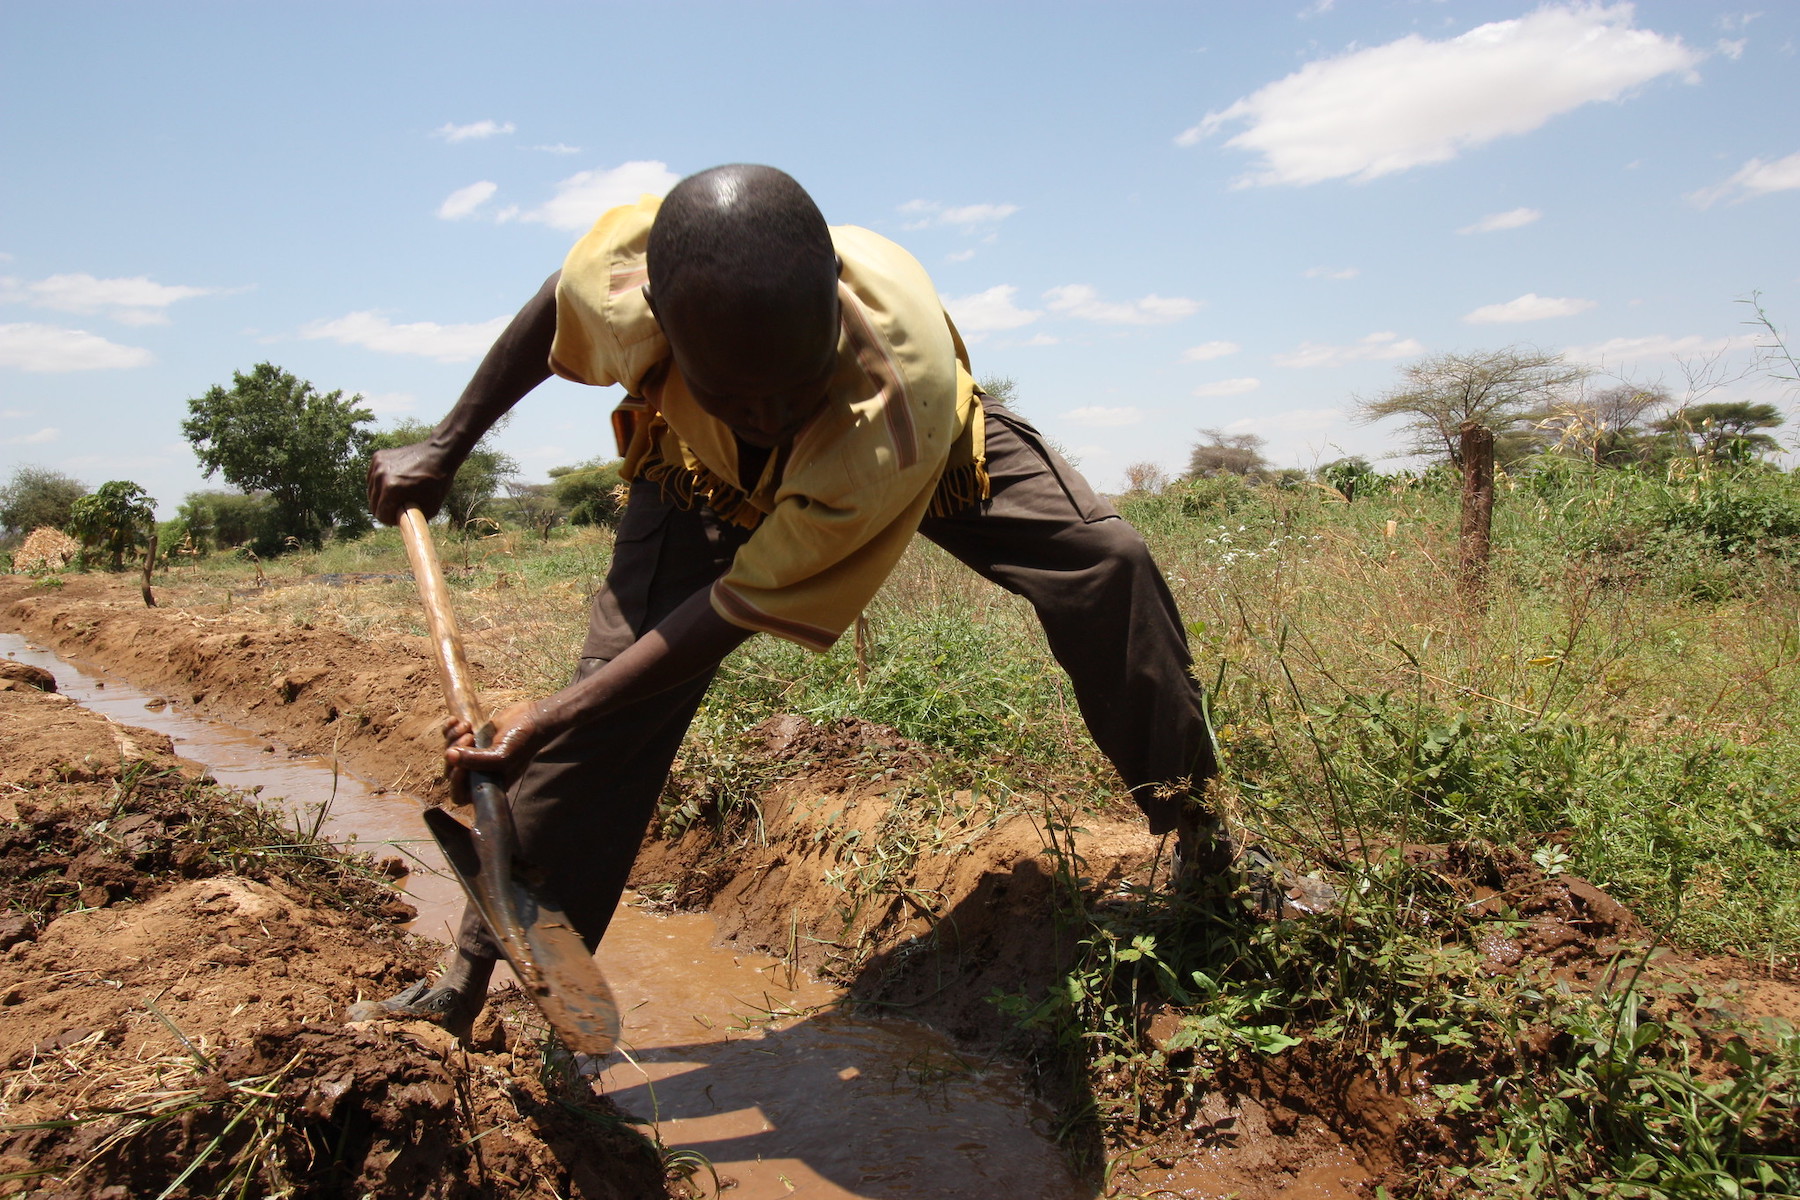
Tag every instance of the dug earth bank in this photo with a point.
(968, 911)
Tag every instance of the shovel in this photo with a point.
(553, 964)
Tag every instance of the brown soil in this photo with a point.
(966, 909)
(173, 985)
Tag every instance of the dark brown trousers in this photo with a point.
(585, 801)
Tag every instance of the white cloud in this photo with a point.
(1207, 351)
(480, 129)
(1619, 350)
(1512, 218)
(41, 437)
(557, 148)
(1376, 347)
(1040, 339)
(464, 201)
(1097, 417)
(426, 339)
(1370, 112)
(960, 255)
(1730, 48)
(1330, 273)
(137, 300)
(1080, 300)
(53, 349)
(1228, 387)
(1529, 307)
(986, 312)
(922, 214)
(582, 197)
(1754, 178)
(387, 404)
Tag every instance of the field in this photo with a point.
(1560, 813)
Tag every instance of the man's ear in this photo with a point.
(838, 258)
(650, 300)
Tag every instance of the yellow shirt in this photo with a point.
(899, 435)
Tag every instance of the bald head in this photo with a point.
(743, 279)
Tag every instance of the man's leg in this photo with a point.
(581, 807)
(1105, 608)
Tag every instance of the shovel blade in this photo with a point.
(554, 966)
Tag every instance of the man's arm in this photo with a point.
(688, 642)
(419, 475)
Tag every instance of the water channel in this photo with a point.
(731, 1054)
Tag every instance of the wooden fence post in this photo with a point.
(1473, 542)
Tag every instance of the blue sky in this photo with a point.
(1155, 217)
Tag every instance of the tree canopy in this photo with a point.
(272, 432)
(1503, 390)
(1726, 431)
(117, 514)
(1227, 454)
(35, 497)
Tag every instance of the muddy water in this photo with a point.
(731, 1055)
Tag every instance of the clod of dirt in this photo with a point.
(16, 674)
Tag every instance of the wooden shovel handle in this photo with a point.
(453, 665)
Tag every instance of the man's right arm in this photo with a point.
(419, 475)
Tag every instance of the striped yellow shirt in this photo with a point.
(899, 435)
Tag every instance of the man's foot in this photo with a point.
(1208, 860)
(1280, 893)
(453, 1002)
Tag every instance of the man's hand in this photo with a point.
(520, 731)
(415, 476)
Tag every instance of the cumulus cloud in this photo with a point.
(49, 348)
(1099, 417)
(1512, 218)
(1330, 273)
(426, 339)
(1615, 351)
(454, 133)
(1529, 307)
(464, 201)
(1371, 112)
(1377, 346)
(922, 214)
(582, 197)
(1754, 178)
(1228, 387)
(1081, 301)
(41, 437)
(137, 300)
(1207, 351)
(989, 311)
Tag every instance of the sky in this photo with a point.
(1156, 218)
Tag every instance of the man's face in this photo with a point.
(765, 379)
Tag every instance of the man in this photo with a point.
(799, 405)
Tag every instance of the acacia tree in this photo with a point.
(1501, 390)
(114, 517)
(36, 496)
(274, 433)
(1725, 432)
(1610, 427)
(1227, 454)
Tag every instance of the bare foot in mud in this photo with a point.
(453, 1002)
